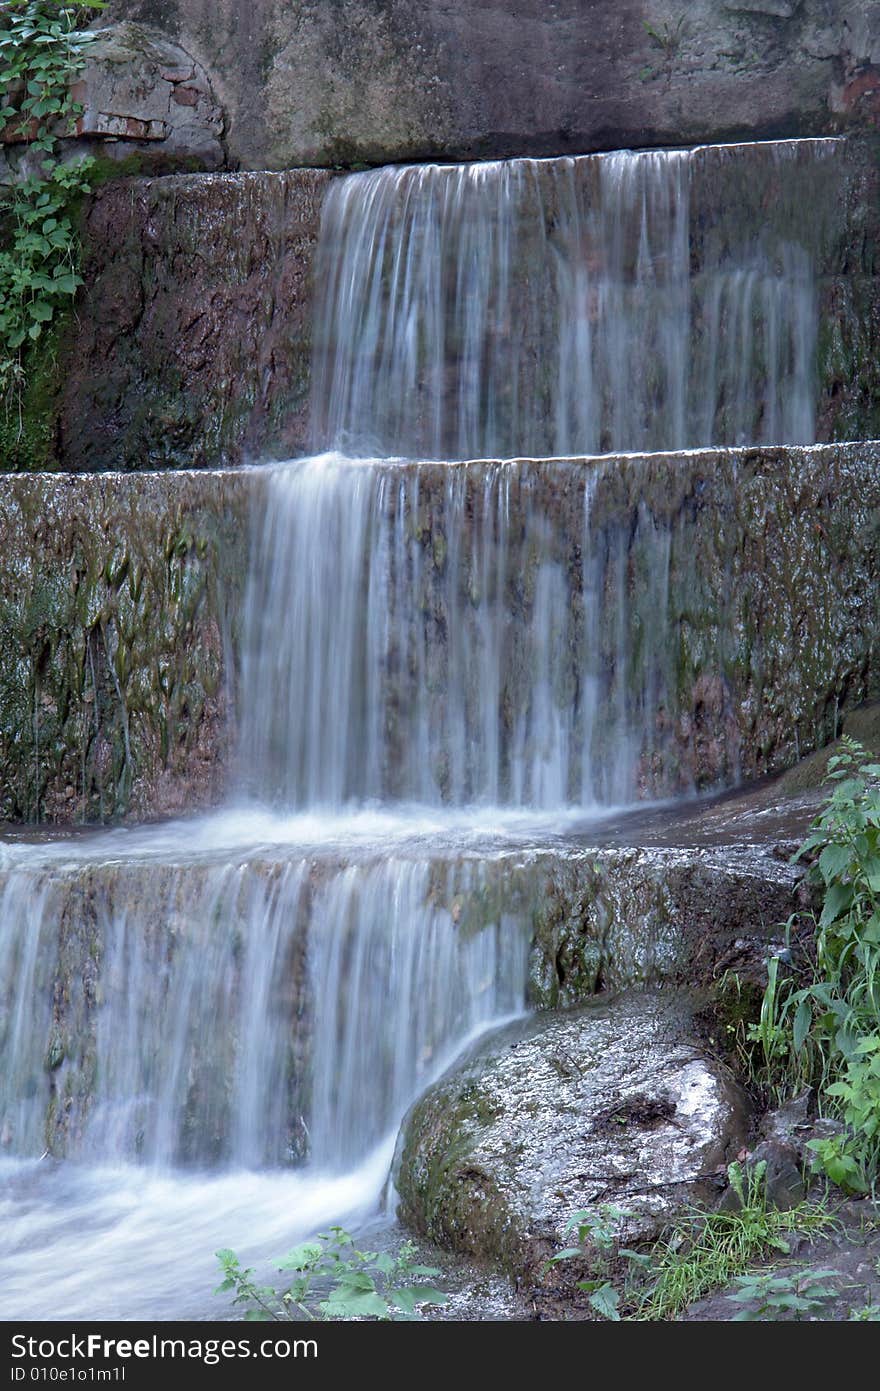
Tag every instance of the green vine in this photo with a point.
(41, 53)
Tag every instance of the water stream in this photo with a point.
(210, 1032)
(571, 306)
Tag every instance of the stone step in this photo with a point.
(122, 601)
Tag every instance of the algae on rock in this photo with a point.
(118, 608)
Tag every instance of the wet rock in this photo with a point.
(612, 918)
(615, 1103)
(192, 344)
(788, 1130)
(783, 1176)
(119, 598)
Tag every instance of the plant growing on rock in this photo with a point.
(598, 1233)
(703, 1249)
(42, 49)
(820, 1024)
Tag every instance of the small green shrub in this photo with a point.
(867, 1313)
(706, 1250)
(702, 1251)
(333, 1279)
(768, 1296)
(820, 1023)
(597, 1242)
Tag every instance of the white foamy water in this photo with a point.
(104, 1242)
(221, 1039)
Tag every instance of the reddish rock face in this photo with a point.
(861, 96)
(192, 340)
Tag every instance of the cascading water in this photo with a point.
(569, 306)
(465, 658)
(218, 1026)
(224, 1028)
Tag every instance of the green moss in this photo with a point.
(140, 164)
(28, 414)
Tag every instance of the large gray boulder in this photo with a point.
(615, 1103)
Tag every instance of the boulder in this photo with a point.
(616, 1103)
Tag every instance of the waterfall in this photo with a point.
(569, 306)
(241, 1015)
(232, 1037)
(455, 635)
(214, 1028)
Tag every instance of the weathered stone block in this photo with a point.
(118, 607)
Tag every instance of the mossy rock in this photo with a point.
(550, 1118)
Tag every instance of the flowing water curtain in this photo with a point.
(568, 306)
(197, 1044)
(245, 1015)
(450, 635)
(28, 970)
(401, 983)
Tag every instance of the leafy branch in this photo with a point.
(820, 1024)
(42, 50)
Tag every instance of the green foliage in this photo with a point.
(669, 36)
(868, 1313)
(597, 1242)
(41, 52)
(768, 1296)
(332, 1279)
(703, 1250)
(820, 1022)
(706, 1250)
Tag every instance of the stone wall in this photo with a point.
(731, 609)
(118, 605)
(331, 82)
(145, 105)
(120, 610)
(191, 339)
(595, 920)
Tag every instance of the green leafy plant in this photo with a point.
(768, 1296)
(597, 1233)
(332, 1279)
(42, 50)
(706, 1250)
(868, 1313)
(820, 1022)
